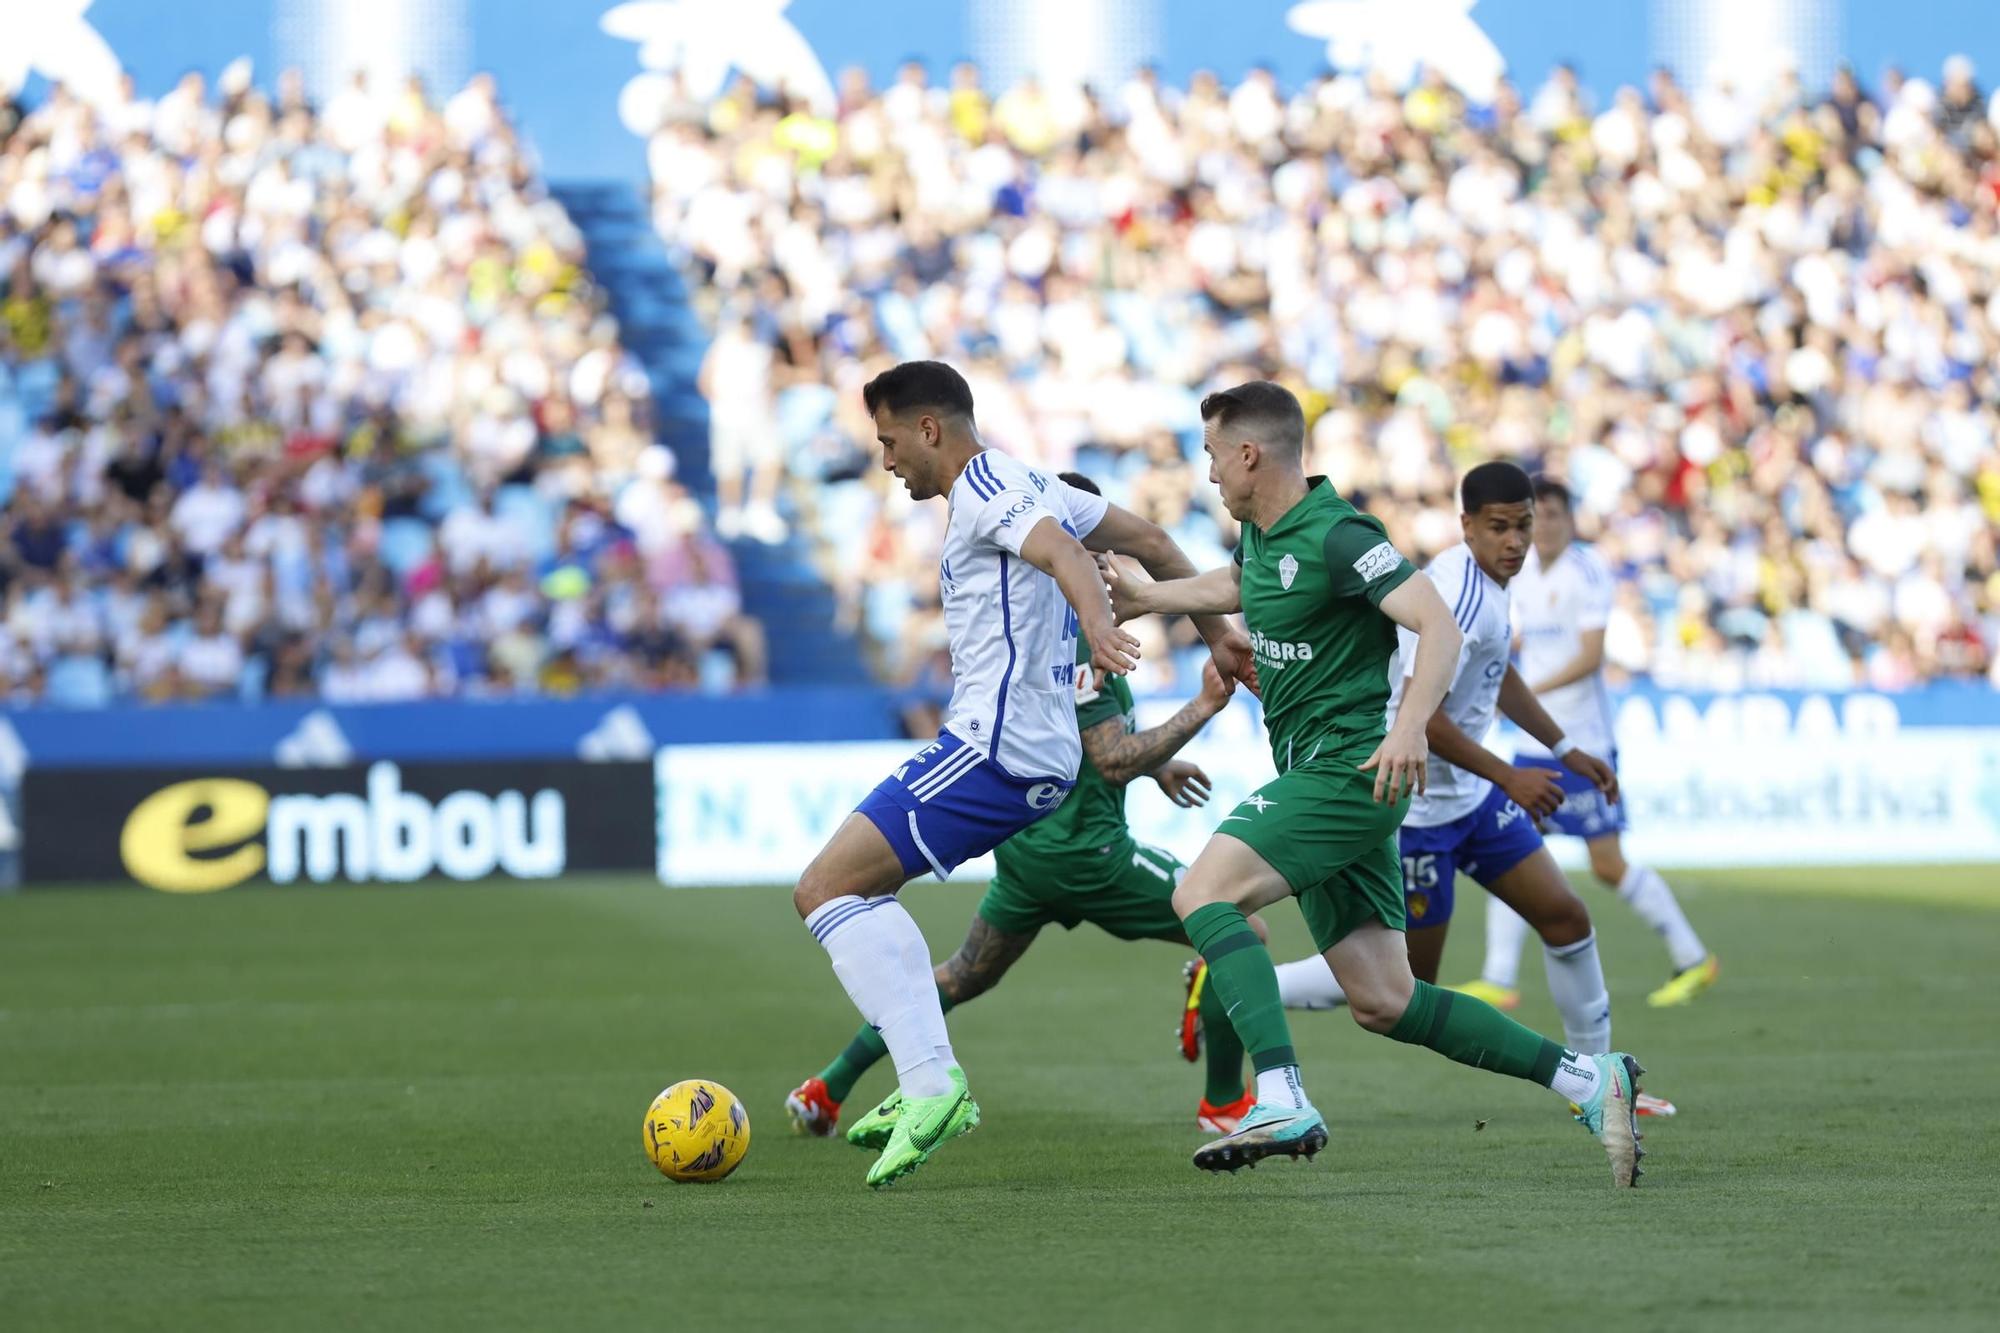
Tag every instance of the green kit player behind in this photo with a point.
(1323, 591)
(1079, 863)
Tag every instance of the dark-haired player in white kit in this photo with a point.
(1562, 602)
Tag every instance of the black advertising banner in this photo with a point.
(198, 830)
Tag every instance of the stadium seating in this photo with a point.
(315, 394)
(1754, 335)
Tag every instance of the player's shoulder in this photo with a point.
(1465, 586)
(1590, 567)
(1453, 565)
(998, 472)
(1337, 513)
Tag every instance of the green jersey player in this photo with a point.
(1078, 864)
(1323, 591)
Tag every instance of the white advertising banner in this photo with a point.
(753, 814)
(756, 814)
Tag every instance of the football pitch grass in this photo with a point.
(419, 1108)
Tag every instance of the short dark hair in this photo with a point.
(1265, 410)
(919, 384)
(1495, 483)
(1078, 481)
(1548, 488)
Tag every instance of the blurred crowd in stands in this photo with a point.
(1755, 331)
(305, 399)
(319, 400)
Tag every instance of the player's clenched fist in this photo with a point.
(1234, 658)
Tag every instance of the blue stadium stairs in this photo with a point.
(655, 320)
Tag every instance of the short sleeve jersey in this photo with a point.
(1312, 589)
(1073, 839)
(1479, 605)
(1554, 605)
(1013, 637)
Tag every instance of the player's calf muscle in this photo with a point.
(1607, 861)
(980, 962)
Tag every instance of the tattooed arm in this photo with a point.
(1120, 758)
(980, 962)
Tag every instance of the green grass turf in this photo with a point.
(419, 1108)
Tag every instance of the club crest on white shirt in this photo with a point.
(1288, 569)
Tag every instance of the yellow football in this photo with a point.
(697, 1130)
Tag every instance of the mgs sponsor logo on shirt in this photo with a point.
(1278, 652)
(1380, 559)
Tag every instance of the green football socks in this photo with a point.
(1222, 1048)
(1473, 1032)
(860, 1055)
(1240, 972)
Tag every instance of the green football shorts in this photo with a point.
(1320, 826)
(1128, 893)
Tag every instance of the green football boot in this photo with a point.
(872, 1131)
(922, 1126)
(1265, 1131)
(1612, 1114)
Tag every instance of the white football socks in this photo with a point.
(1506, 932)
(881, 959)
(1656, 905)
(1309, 984)
(1576, 984)
(1576, 1078)
(1281, 1088)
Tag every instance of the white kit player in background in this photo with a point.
(1562, 602)
(1476, 813)
(1018, 583)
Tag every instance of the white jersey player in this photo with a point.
(1018, 584)
(1562, 603)
(1476, 814)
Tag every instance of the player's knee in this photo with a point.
(1263, 931)
(805, 896)
(814, 890)
(1377, 1003)
(1564, 921)
(1376, 1010)
(1190, 896)
(1607, 862)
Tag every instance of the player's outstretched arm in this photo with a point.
(1062, 557)
(1520, 706)
(1398, 762)
(1123, 532)
(1135, 594)
(1119, 758)
(1214, 593)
